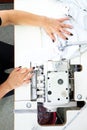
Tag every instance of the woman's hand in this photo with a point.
(52, 26)
(58, 27)
(18, 77)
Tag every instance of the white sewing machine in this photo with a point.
(59, 81)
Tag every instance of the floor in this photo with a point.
(7, 103)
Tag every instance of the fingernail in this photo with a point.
(71, 34)
(19, 66)
(66, 38)
(53, 40)
(33, 67)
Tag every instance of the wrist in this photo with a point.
(3, 89)
(43, 21)
(7, 86)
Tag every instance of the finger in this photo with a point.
(27, 81)
(66, 26)
(63, 19)
(31, 69)
(62, 35)
(28, 77)
(51, 35)
(66, 32)
(17, 69)
(24, 75)
(23, 70)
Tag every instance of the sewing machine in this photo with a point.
(59, 82)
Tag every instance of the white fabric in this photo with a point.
(78, 18)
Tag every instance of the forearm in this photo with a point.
(4, 89)
(20, 18)
(50, 25)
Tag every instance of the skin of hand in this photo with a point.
(52, 26)
(18, 77)
(58, 27)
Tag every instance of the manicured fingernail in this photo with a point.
(53, 40)
(33, 67)
(19, 66)
(71, 34)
